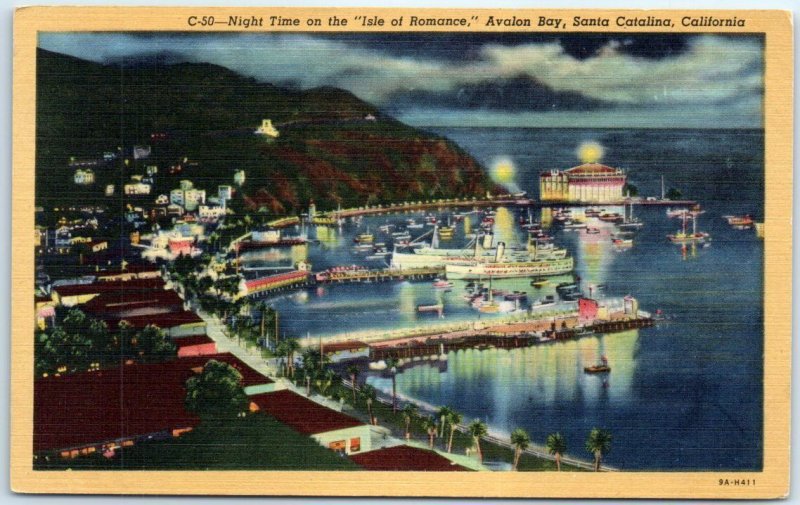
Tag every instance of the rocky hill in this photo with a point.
(199, 119)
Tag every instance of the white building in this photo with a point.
(224, 193)
(137, 188)
(162, 199)
(239, 177)
(211, 211)
(84, 177)
(187, 196)
(267, 129)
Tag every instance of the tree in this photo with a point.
(352, 371)
(292, 347)
(629, 190)
(391, 365)
(477, 429)
(313, 360)
(409, 413)
(453, 419)
(520, 440)
(443, 414)
(61, 351)
(599, 444)
(370, 394)
(557, 446)
(674, 194)
(216, 394)
(266, 313)
(430, 426)
(153, 342)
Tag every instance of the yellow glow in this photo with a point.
(590, 152)
(503, 170)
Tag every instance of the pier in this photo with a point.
(378, 275)
(508, 336)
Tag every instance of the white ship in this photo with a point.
(503, 267)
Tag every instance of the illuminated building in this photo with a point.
(590, 183)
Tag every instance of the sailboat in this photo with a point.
(696, 237)
(629, 221)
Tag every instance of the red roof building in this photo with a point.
(198, 345)
(180, 324)
(124, 304)
(76, 294)
(91, 411)
(332, 429)
(403, 458)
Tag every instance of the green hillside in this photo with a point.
(329, 149)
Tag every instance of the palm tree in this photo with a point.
(478, 429)
(282, 352)
(557, 446)
(292, 346)
(409, 413)
(430, 425)
(391, 365)
(599, 444)
(454, 419)
(352, 370)
(263, 309)
(520, 440)
(444, 413)
(370, 394)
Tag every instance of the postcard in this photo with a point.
(337, 252)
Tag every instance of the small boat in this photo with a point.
(539, 283)
(611, 217)
(592, 231)
(442, 284)
(365, 238)
(683, 237)
(573, 225)
(601, 367)
(438, 307)
(543, 302)
(740, 222)
(385, 228)
(597, 369)
(622, 242)
(592, 212)
(676, 212)
(413, 225)
(516, 295)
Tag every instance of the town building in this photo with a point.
(211, 212)
(224, 193)
(239, 177)
(589, 183)
(404, 458)
(267, 129)
(76, 294)
(84, 177)
(199, 345)
(330, 428)
(136, 188)
(187, 196)
(105, 410)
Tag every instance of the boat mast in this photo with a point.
(662, 187)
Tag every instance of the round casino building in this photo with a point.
(590, 183)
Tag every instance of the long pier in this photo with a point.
(509, 337)
(378, 275)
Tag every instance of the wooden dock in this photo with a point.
(378, 275)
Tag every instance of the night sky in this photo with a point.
(535, 80)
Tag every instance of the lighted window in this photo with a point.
(355, 444)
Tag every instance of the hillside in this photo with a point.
(327, 151)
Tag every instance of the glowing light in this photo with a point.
(590, 152)
(503, 170)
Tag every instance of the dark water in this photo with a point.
(686, 395)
